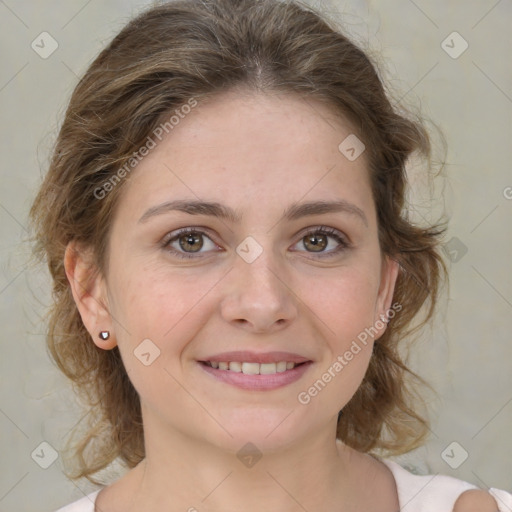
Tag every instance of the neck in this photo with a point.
(182, 473)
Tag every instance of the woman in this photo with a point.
(224, 222)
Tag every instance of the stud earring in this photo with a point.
(104, 335)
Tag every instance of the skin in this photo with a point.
(256, 154)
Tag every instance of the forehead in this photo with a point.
(260, 123)
(241, 147)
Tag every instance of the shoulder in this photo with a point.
(475, 500)
(439, 492)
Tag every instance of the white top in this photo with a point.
(416, 493)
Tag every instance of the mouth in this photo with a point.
(248, 368)
(257, 372)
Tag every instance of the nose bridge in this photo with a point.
(260, 275)
(266, 279)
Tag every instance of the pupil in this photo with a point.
(317, 242)
(190, 239)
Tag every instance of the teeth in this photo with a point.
(235, 366)
(254, 368)
(268, 368)
(281, 366)
(251, 368)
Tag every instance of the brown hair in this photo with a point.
(195, 49)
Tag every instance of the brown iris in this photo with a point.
(190, 240)
(315, 242)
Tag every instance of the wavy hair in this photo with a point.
(188, 49)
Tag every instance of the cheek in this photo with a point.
(346, 301)
(350, 346)
(166, 307)
(143, 292)
(347, 313)
(157, 314)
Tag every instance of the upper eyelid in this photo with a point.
(176, 233)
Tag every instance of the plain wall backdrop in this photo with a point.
(466, 356)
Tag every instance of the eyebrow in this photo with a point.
(293, 212)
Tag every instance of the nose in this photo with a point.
(257, 297)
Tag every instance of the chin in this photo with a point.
(266, 430)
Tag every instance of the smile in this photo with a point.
(253, 368)
(253, 376)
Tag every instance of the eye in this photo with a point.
(188, 241)
(318, 241)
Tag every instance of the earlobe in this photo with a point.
(89, 292)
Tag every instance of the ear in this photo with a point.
(389, 274)
(90, 293)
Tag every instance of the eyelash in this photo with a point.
(330, 232)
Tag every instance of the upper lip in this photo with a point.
(245, 356)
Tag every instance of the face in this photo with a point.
(256, 281)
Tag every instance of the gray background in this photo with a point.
(466, 355)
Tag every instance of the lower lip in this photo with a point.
(257, 382)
